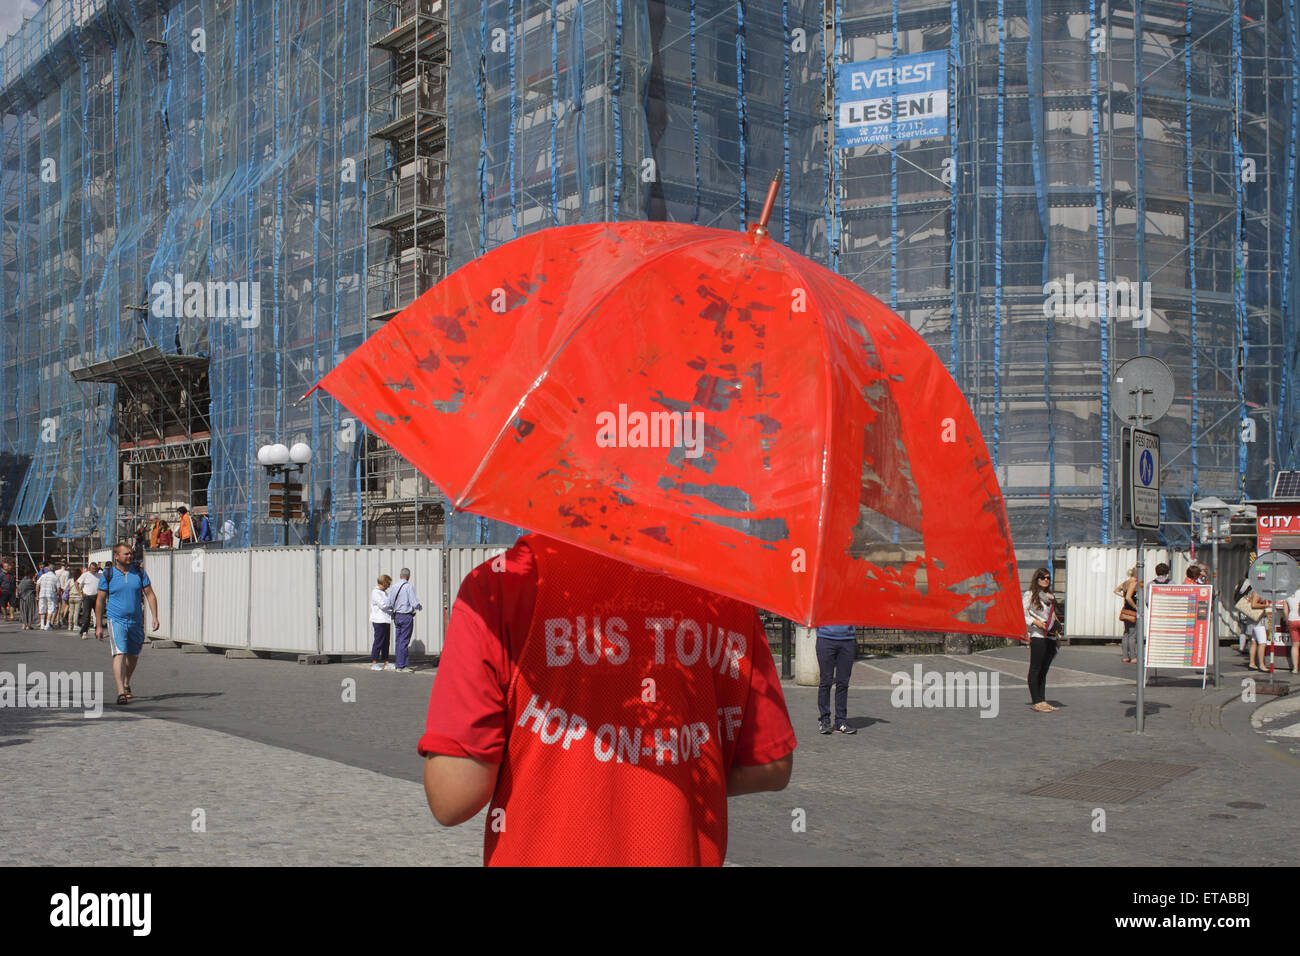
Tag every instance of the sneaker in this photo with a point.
(390, 667)
(824, 726)
(844, 729)
(376, 667)
(405, 670)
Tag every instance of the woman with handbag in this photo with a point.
(1252, 608)
(1040, 619)
(1128, 615)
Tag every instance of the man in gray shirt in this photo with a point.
(403, 607)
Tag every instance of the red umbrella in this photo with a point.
(704, 403)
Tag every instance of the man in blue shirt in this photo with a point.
(837, 645)
(403, 608)
(122, 587)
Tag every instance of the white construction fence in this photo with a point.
(300, 600)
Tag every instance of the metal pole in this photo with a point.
(1141, 635)
(787, 630)
(1214, 599)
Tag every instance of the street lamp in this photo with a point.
(276, 460)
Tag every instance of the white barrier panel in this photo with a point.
(349, 575)
(157, 566)
(101, 557)
(188, 594)
(1091, 607)
(284, 600)
(225, 598)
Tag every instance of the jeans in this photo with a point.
(83, 618)
(379, 649)
(1130, 644)
(836, 661)
(1041, 652)
(403, 623)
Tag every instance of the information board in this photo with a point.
(891, 99)
(1178, 625)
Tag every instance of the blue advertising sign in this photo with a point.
(888, 101)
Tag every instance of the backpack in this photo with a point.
(108, 576)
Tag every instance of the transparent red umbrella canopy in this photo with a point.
(704, 403)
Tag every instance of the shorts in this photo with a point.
(1294, 628)
(125, 637)
(47, 605)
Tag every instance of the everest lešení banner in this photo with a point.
(890, 100)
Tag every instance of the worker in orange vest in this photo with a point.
(185, 528)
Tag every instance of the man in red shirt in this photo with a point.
(606, 712)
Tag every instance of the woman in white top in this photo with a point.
(1293, 628)
(1040, 616)
(382, 622)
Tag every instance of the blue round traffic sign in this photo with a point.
(1146, 467)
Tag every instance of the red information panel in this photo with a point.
(1178, 625)
(1279, 519)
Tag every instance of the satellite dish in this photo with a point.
(1142, 391)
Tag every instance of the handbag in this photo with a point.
(1128, 615)
(1254, 613)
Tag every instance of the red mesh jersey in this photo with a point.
(628, 697)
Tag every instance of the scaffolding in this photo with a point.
(343, 155)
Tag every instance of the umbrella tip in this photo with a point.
(768, 203)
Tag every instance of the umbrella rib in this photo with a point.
(542, 375)
(826, 444)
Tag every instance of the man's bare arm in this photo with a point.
(153, 604)
(760, 778)
(457, 788)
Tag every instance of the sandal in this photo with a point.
(123, 700)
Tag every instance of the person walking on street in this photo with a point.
(382, 623)
(1127, 589)
(837, 645)
(403, 607)
(8, 589)
(64, 575)
(667, 712)
(122, 589)
(1040, 615)
(47, 591)
(74, 599)
(89, 584)
(1292, 605)
(26, 591)
(1255, 620)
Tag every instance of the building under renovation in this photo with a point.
(204, 204)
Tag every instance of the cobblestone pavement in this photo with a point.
(286, 771)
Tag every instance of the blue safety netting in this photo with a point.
(230, 163)
(221, 141)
